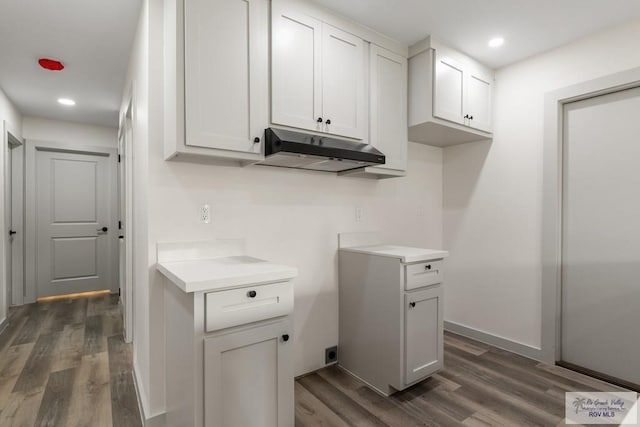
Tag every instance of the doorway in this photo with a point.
(600, 269)
(125, 215)
(13, 218)
(71, 219)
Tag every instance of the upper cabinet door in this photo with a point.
(448, 85)
(226, 73)
(478, 101)
(388, 101)
(296, 98)
(343, 83)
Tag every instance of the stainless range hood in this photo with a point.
(289, 149)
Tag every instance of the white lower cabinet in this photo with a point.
(423, 333)
(391, 322)
(248, 377)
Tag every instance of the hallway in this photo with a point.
(65, 363)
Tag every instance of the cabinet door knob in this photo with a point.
(252, 294)
(319, 120)
(285, 337)
(466, 116)
(427, 267)
(412, 304)
(256, 140)
(470, 117)
(328, 121)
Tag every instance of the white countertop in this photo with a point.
(214, 274)
(405, 254)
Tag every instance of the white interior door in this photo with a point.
(73, 214)
(8, 224)
(601, 235)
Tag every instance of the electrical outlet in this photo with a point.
(358, 214)
(331, 355)
(205, 214)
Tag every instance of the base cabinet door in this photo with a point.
(423, 333)
(249, 377)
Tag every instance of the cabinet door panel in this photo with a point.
(343, 80)
(249, 378)
(226, 73)
(448, 101)
(479, 101)
(388, 100)
(423, 333)
(296, 81)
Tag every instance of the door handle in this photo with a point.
(11, 232)
(102, 230)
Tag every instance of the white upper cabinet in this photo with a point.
(217, 78)
(318, 76)
(226, 73)
(388, 106)
(449, 96)
(297, 74)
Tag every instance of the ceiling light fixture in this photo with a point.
(67, 101)
(496, 42)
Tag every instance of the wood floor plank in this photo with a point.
(31, 328)
(11, 332)
(21, 408)
(36, 369)
(348, 410)
(94, 340)
(91, 389)
(387, 410)
(124, 405)
(473, 348)
(112, 321)
(311, 412)
(13, 359)
(56, 400)
(69, 349)
(579, 378)
(119, 355)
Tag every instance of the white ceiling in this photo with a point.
(93, 38)
(528, 26)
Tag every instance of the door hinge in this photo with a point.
(119, 158)
(119, 225)
(119, 294)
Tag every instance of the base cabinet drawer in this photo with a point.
(423, 274)
(234, 307)
(248, 377)
(423, 333)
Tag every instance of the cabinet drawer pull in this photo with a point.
(252, 294)
(328, 121)
(412, 304)
(256, 140)
(285, 337)
(427, 267)
(319, 120)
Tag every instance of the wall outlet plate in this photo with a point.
(331, 355)
(205, 214)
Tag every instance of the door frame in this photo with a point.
(12, 293)
(127, 124)
(31, 148)
(551, 297)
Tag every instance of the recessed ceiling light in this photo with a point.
(67, 101)
(496, 42)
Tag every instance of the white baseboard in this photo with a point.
(157, 420)
(494, 340)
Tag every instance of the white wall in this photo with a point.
(493, 190)
(73, 133)
(12, 116)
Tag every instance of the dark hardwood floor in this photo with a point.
(65, 363)
(480, 386)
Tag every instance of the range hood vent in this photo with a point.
(289, 149)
